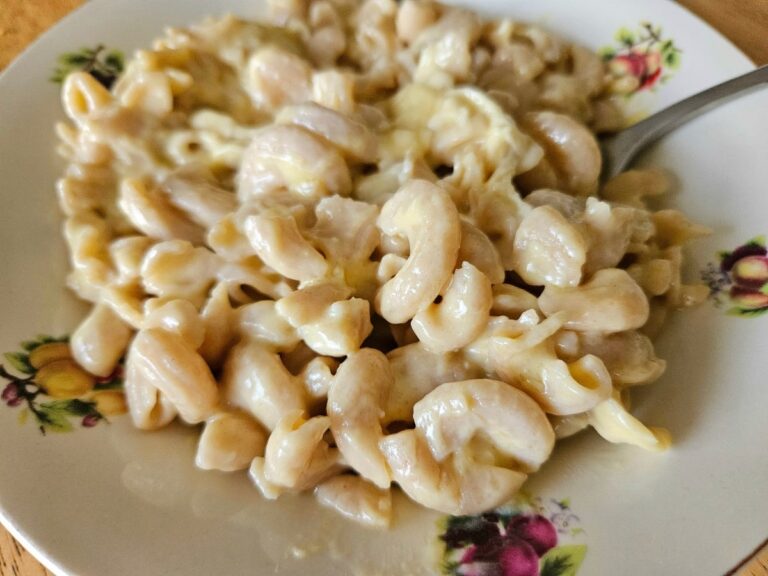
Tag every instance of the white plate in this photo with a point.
(110, 500)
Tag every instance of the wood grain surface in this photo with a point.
(745, 22)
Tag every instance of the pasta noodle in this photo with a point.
(365, 243)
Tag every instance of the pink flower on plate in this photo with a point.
(469, 554)
(11, 395)
(522, 538)
(518, 558)
(535, 530)
(644, 66)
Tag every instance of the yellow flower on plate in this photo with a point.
(47, 353)
(64, 379)
(110, 402)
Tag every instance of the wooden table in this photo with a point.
(745, 22)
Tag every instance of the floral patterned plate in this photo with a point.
(106, 499)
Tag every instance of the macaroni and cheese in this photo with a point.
(365, 244)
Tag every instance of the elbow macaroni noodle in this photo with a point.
(365, 243)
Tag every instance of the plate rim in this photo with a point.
(20, 63)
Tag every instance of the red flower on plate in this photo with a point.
(641, 59)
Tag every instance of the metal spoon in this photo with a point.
(621, 148)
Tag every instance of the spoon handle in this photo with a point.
(624, 146)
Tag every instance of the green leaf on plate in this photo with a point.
(20, 362)
(53, 418)
(105, 67)
(563, 560)
(71, 407)
(115, 60)
(76, 59)
(29, 345)
(450, 567)
(672, 59)
(625, 36)
(758, 241)
(23, 415)
(746, 312)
